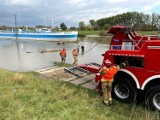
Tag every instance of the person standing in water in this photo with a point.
(75, 54)
(63, 56)
(82, 48)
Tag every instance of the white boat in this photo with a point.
(45, 36)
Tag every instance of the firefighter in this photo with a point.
(108, 71)
(63, 56)
(75, 54)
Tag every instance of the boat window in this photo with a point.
(132, 61)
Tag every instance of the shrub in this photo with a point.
(103, 33)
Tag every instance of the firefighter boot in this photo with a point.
(106, 103)
(110, 101)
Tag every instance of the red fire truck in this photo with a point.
(141, 75)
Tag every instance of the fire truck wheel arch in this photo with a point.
(153, 98)
(148, 80)
(123, 90)
(133, 77)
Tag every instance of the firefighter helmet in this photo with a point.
(107, 62)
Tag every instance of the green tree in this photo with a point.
(155, 21)
(92, 22)
(3, 27)
(73, 28)
(63, 26)
(82, 25)
(89, 27)
(136, 20)
(106, 27)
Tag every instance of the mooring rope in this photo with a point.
(94, 46)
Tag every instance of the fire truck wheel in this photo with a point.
(153, 98)
(124, 91)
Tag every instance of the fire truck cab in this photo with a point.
(142, 74)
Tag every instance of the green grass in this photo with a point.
(147, 32)
(87, 32)
(62, 65)
(26, 96)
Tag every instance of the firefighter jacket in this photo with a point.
(74, 52)
(63, 53)
(108, 73)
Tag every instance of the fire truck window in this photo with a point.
(116, 47)
(127, 46)
(132, 61)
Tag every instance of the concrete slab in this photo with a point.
(68, 79)
(58, 73)
(49, 70)
(90, 85)
(83, 79)
(46, 69)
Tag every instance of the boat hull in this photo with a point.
(72, 36)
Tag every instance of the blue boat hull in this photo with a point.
(72, 36)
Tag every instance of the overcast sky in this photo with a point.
(71, 12)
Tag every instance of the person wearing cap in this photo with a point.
(63, 56)
(75, 54)
(107, 72)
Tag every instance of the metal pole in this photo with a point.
(53, 24)
(16, 24)
(45, 21)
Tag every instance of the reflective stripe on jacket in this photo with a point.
(108, 73)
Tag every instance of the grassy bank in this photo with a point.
(87, 32)
(27, 96)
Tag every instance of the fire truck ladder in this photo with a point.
(77, 71)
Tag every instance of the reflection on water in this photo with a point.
(25, 55)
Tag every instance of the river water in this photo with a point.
(25, 55)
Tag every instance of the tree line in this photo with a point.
(138, 21)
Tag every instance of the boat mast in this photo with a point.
(45, 21)
(15, 17)
(53, 23)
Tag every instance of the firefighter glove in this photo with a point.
(122, 65)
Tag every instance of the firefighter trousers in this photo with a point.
(107, 89)
(63, 59)
(75, 60)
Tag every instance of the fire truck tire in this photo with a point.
(124, 91)
(153, 98)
